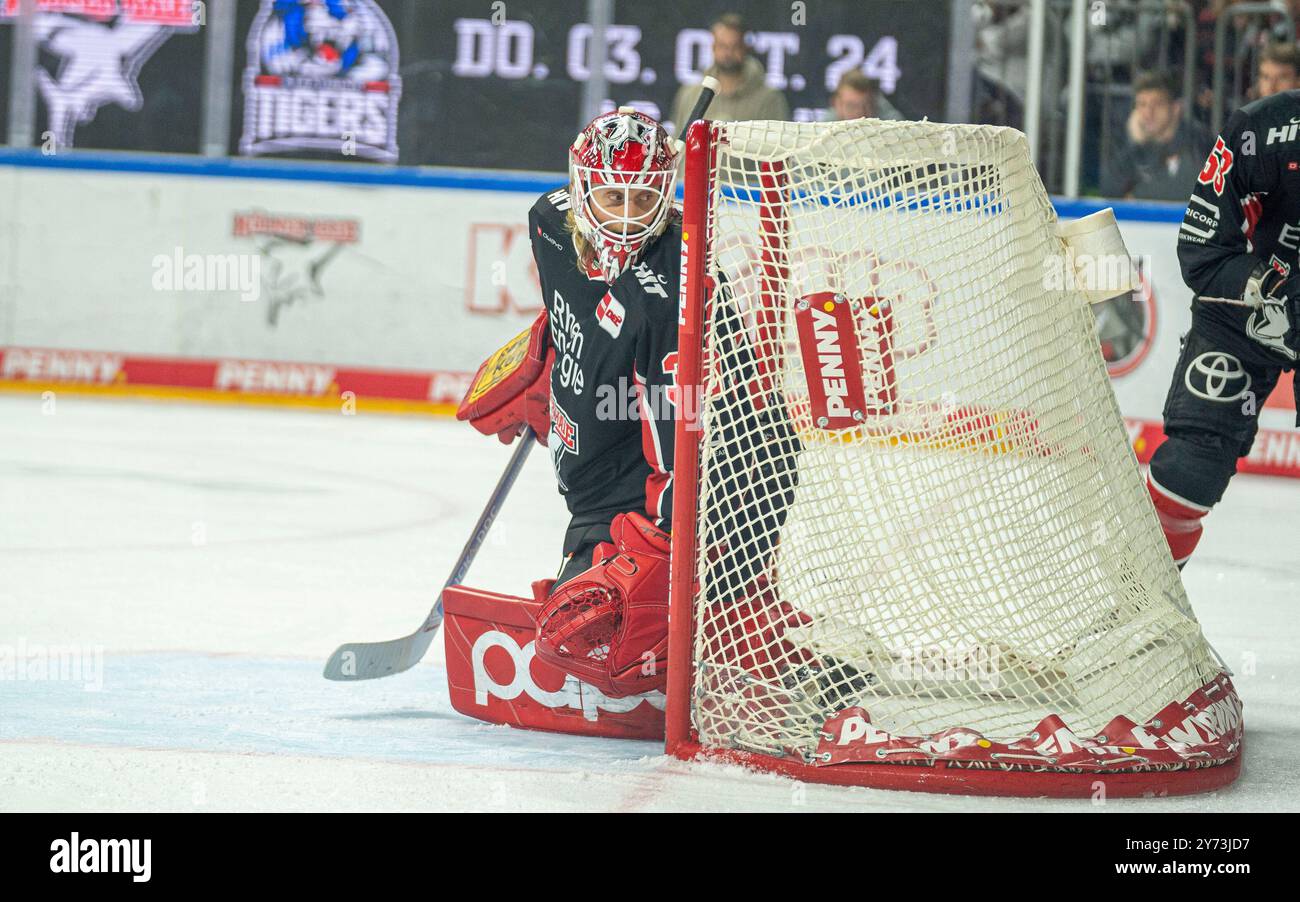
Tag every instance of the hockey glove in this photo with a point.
(608, 626)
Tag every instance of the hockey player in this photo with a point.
(608, 254)
(1238, 248)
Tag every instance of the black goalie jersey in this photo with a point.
(613, 392)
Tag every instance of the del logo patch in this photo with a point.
(610, 314)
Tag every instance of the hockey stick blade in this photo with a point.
(372, 660)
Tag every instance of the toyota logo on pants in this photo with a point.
(1215, 376)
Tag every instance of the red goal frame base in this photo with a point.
(944, 778)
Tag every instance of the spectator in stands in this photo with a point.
(743, 92)
(1208, 13)
(1279, 70)
(1001, 63)
(860, 97)
(855, 97)
(1278, 63)
(1163, 153)
(1282, 34)
(1118, 37)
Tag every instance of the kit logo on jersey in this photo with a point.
(651, 282)
(546, 236)
(1217, 167)
(1283, 133)
(610, 314)
(1216, 376)
(559, 199)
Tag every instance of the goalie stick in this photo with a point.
(708, 89)
(371, 660)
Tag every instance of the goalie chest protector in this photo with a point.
(611, 342)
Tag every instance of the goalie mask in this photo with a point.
(622, 169)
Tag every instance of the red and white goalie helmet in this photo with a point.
(622, 171)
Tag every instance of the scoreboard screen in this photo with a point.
(515, 81)
(475, 83)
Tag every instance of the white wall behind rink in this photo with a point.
(354, 277)
(412, 285)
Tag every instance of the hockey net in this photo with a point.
(911, 538)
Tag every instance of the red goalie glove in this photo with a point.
(513, 387)
(608, 626)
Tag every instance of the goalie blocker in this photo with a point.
(511, 389)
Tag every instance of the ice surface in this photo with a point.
(217, 555)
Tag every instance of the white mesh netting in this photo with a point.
(980, 552)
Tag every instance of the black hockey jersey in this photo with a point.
(613, 390)
(1245, 210)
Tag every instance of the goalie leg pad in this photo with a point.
(494, 675)
(751, 634)
(608, 626)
